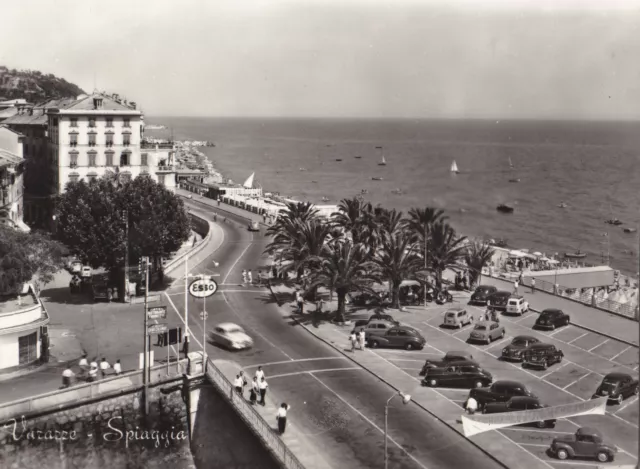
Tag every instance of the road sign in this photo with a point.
(159, 312)
(204, 315)
(203, 288)
(157, 329)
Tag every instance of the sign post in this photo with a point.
(203, 288)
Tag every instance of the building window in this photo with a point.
(73, 140)
(109, 140)
(144, 158)
(161, 178)
(124, 159)
(74, 122)
(92, 122)
(109, 121)
(74, 177)
(127, 122)
(27, 348)
(92, 159)
(73, 160)
(126, 140)
(109, 158)
(92, 139)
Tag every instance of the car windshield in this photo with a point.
(610, 382)
(519, 342)
(480, 327)
(513, 302)
(233, 330)
(451, 315)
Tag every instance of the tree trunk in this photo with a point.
(439, 279)
(395, 295)
(342, 295)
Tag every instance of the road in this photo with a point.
(339, 405)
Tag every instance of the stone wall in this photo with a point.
(110, 433)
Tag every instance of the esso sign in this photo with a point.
(203, 288)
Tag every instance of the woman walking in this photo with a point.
(282, 417)
(255, 390)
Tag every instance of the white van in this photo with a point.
(517, 305)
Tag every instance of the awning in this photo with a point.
(516, 254)
(23, 226)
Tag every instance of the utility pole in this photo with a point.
(145, 363)
(125, 293)
(186, 296)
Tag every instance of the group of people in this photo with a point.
(257, 393)
(89, 370)
(461, 281)
(357, 339)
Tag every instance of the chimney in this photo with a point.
(97, 103)
(133, 105)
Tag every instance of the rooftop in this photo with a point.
(11, 304)
(9, 159)
(85, 103)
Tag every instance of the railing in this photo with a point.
(253, 418)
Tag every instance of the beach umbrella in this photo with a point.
(539, 254)
(516, 253)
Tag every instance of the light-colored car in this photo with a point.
(487, 331)
(377, 325)
(253, 226)
(457, 318)
(86, 271)
(231, 336)
(75, 266)
(517, 305)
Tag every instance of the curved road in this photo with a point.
(336, 404)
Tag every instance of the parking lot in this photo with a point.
(587, 358)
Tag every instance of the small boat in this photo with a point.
(500, 242)
(514, 180)
(629, 230)
(613, 221)
(376, 179)
(303, 169)
(454, 167)
(364, 191)
(575, 255)
(338, 159)
(504, 208)
(326, 199)
(357, 157)
(510, 163)
(315, 182)
(383, 162)
(397, 191)
(562, 205)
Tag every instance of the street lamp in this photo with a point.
(405, 400)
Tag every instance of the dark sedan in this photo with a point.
(400, 336)
(500, 391)
(463, 374)
(498, 300)
(518, 404)
(552, 318)
(482, 294)
(453, 356)
(517, 347)
(617, 387)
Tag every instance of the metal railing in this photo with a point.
(253, 418)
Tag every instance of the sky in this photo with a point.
(523, 59)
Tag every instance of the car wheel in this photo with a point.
(374, 344)
(433, 382)
(408, 346)
(553, 326)
(619, 399)
(488, 340)
(566, 322)
(562, 454)
(541, 424)
(460, 325)
(636, 391)
(478, 384)
(544, 364)
(502, 335)
(603, 456)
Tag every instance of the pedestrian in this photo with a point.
(494, 315)
(215, 217)
(94, 362)
(520, 277)
(250, 277)
(300, 301)
(84, 363)
(353, 340)
(471, 406)
(262, 386)
(104, 366)
(237, 384)
(109, 295)
(244, 276)
(67, 375)
(259, 374)
(117, 368)
(160, 340)
(362, 339)
(282, 417)
(255, 390)
(319, 305)
(515, 287)
(185, 346)
(244, 380)
(93, 372)
(533, 284)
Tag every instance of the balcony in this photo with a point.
(73, 165)
(109, 144)
(73, 144)
(92, 144)
(152, 146)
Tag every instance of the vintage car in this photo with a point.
(231, 336)
(542, 355)
(99, 289)
(586, 443)
(399, 336)
(617, 387)
(457, 318)
(86, 273)
(486, 331)
(482, 294)
(500, 391)
(498, 300)
(463, 374)
(551, 318)
(517, 305)
(518, 404)
(376, 316)
(377, 325)
(253, 226)
(453, 356)
(75, 266)
(516, 348)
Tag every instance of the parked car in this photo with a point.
(552, 318)
(367, 299)
(75, 267)
(542, 355)
(449, 357)
(99, 289)
(457, 318)
(378, 325)
(518, 404)
(465, 373)
(498, 300)
(587, 442)
(617, 387)
(500, 391)
(86, 272)
(517, 347)
(517, 305)
(375, 317)
(231, 336)
(399, 336)
(482, 294)
(253, 226)
(487, 331)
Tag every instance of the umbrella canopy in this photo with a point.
(553, 261)
(539, 254)
(516, 253)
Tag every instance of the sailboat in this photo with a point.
(511, 167)
(511, 164)
(383, 162)
(454, 167)
(248, 184)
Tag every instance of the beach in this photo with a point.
(589, 166)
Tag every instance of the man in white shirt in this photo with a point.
(533, 284)
(282, 417)
(515, 287)
(84, 363)
(67, 375)
(237, 384)
(362, 339)
(353, 340)
(94, 363)
(259, 374)
(117, 368)
(262, 385)
(472, 406)
(250, 276)
(93, 373)
(104, 366)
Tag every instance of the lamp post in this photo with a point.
(405, 400)
(187, 276)
(426, 273)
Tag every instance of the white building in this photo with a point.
(23, 319)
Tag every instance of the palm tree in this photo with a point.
(477, 256)
(390, 222)
(445, 250)
(397, 261)
(343, 267)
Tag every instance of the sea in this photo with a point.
(590, 166)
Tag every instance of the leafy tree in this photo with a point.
(477, 256)
(27, 257)
(446, 249)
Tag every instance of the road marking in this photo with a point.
(534, 444)
(636, 368)
(579, 337)
(522, 447)
(224, 280)
(500, 341)
(440, 352)
(618, 354)
(593, 348)
(244, 291)
(405, 359)
(574, 463)
(524, 316)
(372, 424)
(571, 384)
(555, 332)
(295, 361)
(297, 373)
(626, 405)
(335, 369)
(553, 371)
